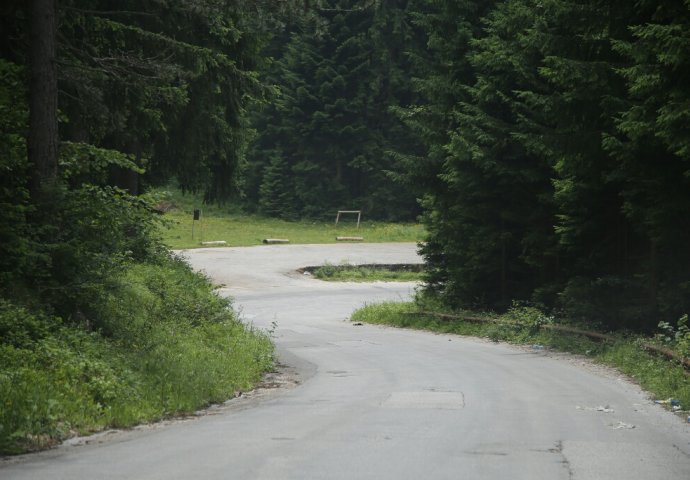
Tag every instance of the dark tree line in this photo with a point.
(329, 139)
(100, 98)
(546, 142)
(562, 172)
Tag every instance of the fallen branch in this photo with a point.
(349, 239)
(577, 331)
(666, 352)
(275, 241)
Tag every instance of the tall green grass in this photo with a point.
(165, 344)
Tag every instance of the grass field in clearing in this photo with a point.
(238, 229)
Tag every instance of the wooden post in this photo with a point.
(196, 216)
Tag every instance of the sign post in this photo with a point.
(195, 216)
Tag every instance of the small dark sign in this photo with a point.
(197, 214)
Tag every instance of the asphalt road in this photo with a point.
(379, 403)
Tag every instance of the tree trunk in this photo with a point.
(42, 140)
(504, 267)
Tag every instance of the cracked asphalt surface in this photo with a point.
(380, 403)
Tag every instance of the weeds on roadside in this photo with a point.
(163, 344)
(678, 337)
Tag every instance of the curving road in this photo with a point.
(380, 403)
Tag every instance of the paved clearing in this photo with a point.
(380, 403)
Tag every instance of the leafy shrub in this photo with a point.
(53, 379)
(99, 325)
(328, 270)
(82, 240)
(146, 296)
(529, 316)
(677, 337)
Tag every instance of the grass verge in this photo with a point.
(662, 378)
(238, 229)
(368, 273)
(165, 345)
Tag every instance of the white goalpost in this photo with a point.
(340, 212)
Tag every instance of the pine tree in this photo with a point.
(651, 144)
(275, 193)
(438, 66)
(487, 216)
(168, 83)
(332, 120)
(570, 116)
(503, 185)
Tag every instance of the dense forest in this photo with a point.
(546, 142)
(100, 99)
(331, 139)
(558, 159)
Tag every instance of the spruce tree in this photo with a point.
(570, 117)
(487, 217)
(437, 64)
(651, 145)
(332, 121)
(276, 194)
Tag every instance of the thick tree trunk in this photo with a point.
(42, 141)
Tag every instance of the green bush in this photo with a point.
(677, 337)
(82, 240)
(615, 302)
(53, 379)
(326, 271)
